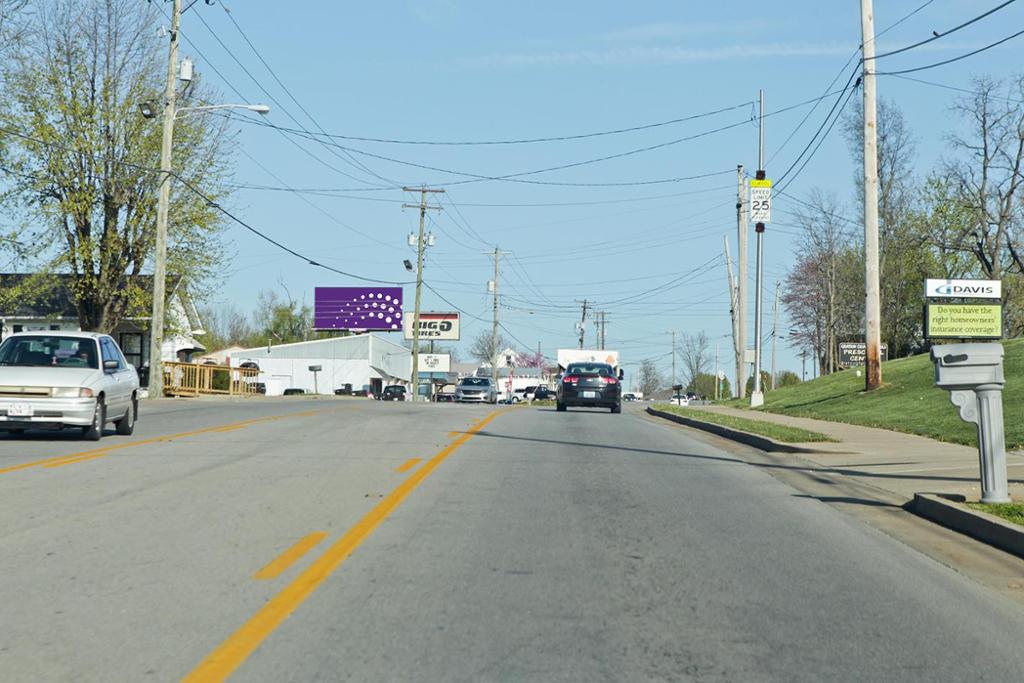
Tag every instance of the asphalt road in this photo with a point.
(302, 540)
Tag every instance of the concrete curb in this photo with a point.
(948, 511)
(760, 442)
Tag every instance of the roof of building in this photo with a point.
(49, 295)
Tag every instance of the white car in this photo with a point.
(54, 380)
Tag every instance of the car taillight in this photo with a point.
(610, 380)
(571, 379)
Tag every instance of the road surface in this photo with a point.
(335, 540)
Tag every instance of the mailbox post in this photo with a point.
(973, 374)
(315, 369)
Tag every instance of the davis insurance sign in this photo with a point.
(434, 326)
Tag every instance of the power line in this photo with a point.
(820, 142)
(524, 141)
(936, 36)
(954, 59)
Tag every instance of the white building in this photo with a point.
(367, 362)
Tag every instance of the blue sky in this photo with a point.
(453, 70)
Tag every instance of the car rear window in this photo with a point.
(599, 369)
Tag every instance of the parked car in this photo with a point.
(542, 393)
(528, 393)
(66, 379)
(445, 394)
(593, 385)
(344, 390)
(393, 392)
(294, 391)
(476, 390)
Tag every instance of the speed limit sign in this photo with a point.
(761, 201)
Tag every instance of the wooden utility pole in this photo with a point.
(421, 246)
(775, 331)
(741, 284)
(872, 303)
(673, 360)
(494, 322)
(583, 323)
(156, 323)
(737, 351)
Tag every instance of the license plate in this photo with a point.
(589, 394)
(19, 410)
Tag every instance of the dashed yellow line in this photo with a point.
(290, 556)
(408, 465)
(230, 654)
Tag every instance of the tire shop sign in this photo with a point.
(434, 326)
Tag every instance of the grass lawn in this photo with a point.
(908, 402)
(1011, 512)
(772, 431)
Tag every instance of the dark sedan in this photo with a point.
(394, 392)
(590, 385)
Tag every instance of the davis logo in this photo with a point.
(963, 289)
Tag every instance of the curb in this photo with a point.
(760, 442)
(945, 509)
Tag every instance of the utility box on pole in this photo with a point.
(973, 374)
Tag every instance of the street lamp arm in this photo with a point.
(258, 108)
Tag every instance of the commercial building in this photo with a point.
(362, 362)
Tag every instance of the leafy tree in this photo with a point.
(766, 382)
(81, 169)
(281, 320)
(787, 378)
(650, 377)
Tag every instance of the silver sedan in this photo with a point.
(52, 380)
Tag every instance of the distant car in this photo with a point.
(66, 379)
(476, 390)
(393, 392)
(543, 394)
(629, 397)
(344, 390)
(679, 400)
(594, 385)
(528, 393)
(445, 394)
(294, 391)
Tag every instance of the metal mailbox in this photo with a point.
(968, 365)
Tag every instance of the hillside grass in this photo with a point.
(908, 401)
(776, 432)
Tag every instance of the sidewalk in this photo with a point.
(903, 464)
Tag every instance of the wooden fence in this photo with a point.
(190, 379)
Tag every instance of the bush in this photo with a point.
(787, 378)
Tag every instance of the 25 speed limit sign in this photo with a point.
(760, 201)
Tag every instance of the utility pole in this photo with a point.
(583, 323)
(741, 283)
(494, 322)
(156, 327)
(717, 381)
(872, 303)
(673, 360)
(775, 331)
(737, 351)
(757, 395)
(421, 246)
(601, 323)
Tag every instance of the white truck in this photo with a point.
(567, 356)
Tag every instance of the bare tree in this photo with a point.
(695, 355)
(988, 177)
(485, 350)
(650, 378)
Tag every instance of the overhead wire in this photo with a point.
(952, 60)
(943, 34)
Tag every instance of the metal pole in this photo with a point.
(717, 344)
(741, 284)
(872, 303)
(673, 360)
(156, 327)
(757, 396)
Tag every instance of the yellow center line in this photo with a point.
(71, 461)
(230, 654)
(290, 556)
(408, 465)
(105, 450)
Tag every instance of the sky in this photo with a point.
(639, 235)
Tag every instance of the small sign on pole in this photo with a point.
(761, 201)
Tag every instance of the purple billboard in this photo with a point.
(357, 308)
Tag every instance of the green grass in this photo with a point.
(908, 402)
(1011, 512)
(771, 430)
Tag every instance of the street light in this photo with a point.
(170, 111)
